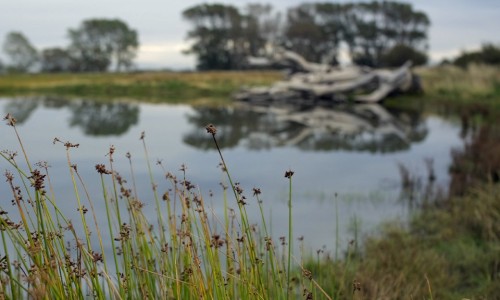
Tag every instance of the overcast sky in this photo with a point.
(457, 25)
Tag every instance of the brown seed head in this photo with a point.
(289, 174)
(211, 129)
(11, 121)
(101, 169)
(37, 181)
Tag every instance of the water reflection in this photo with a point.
(362, 184)
(21, 109)
(361, 127)
(100, 119)
(94, 118)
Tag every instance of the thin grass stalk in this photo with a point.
(97, 228)
(111, 233)
(119, 221)
(81, 210)
(257, 276)
(7, 260)
(289, 174)
(269, 248)
(12, 122)
(337, 228)
(155, 191)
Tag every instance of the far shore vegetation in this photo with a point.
(447, 83)
(166, 87)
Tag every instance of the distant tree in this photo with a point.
(263, 29)
(314, 30)
(223, 36)
(399, 54)
(302, 34)
(488, 54)
(380, 26)
(218, 36)
(99, 43)
(369, 29)
(2, 67)
(21, 53)
(55, 60)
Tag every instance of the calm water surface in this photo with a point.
(346, 160)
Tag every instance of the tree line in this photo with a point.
(377, 33)
(95, 46)
(489, 54)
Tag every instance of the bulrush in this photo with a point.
(182, 253)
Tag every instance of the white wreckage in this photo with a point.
(311, 81)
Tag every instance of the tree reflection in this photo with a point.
(100, 119)
(95, 118)
(232, 125)
(356, 127)
(21, 109)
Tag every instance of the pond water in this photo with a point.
(347, 159)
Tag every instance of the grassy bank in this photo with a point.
(477, 83)
(445, 84)
(170, 87)
(450, 251)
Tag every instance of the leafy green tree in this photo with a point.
(99, 43)
(369, 29)
(263, 28)
(223, 36)
(314, 31)
(489, 54)
(20, 51)
(380, 26)
(55, 60)
(302, 33)
(217, 35)
(399, 54)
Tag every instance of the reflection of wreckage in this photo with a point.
(325, 82)
(351, 127)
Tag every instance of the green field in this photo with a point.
(443, 84)
(168, 87)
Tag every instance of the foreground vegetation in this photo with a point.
(186, 252)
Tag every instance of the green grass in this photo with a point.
(450, 253)
(442, 84)
(169, 87)
(477, 83)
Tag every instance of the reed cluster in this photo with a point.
(186, 251)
